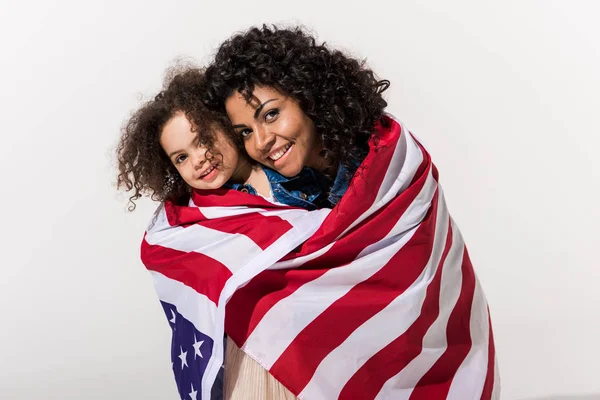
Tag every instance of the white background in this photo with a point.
(504, 94)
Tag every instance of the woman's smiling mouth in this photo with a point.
(278, 154)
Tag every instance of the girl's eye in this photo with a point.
(180, 159)
(271, 114)
(245, 132)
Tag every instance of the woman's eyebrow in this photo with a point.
(256, 112)
(259, 108)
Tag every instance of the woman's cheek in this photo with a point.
(251, 148)
(284, 128)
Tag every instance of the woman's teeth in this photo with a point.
(280, 153)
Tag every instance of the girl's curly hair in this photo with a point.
(143, 165)
(339, 94)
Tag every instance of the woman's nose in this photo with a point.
(263, 140)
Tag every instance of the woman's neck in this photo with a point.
(252, 175)
(259, 181)
(242, 171)
(327, 165)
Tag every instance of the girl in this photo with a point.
(173, 144)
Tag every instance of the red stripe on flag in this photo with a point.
(250, 303)
(295, 367)
(378, 225)
(489, 379)
(435, 384)
(272, 226)
(231, 198)
(394, 357)
(205, 275)
(182, 216)
(423, 168)
(365, 185)
(261, 229)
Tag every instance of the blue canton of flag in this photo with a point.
(190, 352)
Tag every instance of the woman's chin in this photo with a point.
(289, 171)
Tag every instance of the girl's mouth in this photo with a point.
(210, 173)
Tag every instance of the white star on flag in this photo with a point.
(193, 393)
(197, 345)
(183, 357)
(172, 319)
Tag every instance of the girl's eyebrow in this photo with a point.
(174, 152)
(195, 142)
(256, 112)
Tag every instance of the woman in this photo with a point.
(297, 104)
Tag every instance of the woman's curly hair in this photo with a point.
(143, 165)
(338, 93)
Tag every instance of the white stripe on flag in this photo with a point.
(268, 344)
(193, 306)
(496, 391)
(470, 377)
(295, 216)
(225, 212)
(343, 362)
(210, 242)
(297, 262)
(302, 229)
(222, 212)
(435, 343)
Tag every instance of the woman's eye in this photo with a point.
(271, 114)
(245, 132)
(180, 159)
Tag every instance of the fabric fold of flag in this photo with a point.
(375, 299)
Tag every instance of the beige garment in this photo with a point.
(245, 379)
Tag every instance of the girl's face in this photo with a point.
(200, 168)
(276, 132)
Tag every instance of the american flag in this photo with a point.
(375, 299)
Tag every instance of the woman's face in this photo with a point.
(276, 132)
(189, 156)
